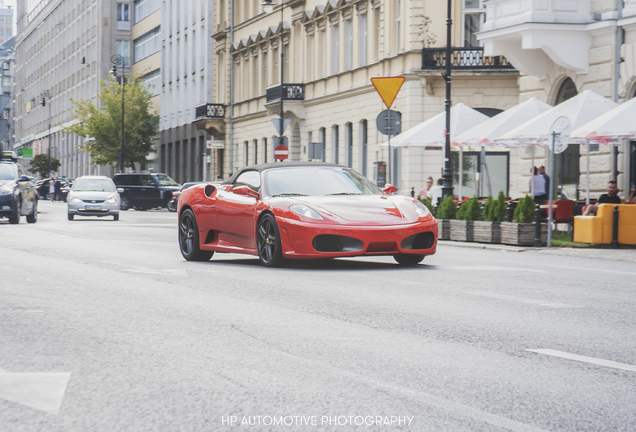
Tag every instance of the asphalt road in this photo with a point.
(104, 327)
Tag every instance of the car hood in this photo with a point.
(92, 195)
(365, 209)
(4, 182)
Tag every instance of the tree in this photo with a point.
(103, 125)
(40, 164)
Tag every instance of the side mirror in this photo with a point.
(120, 190)
(389, 189)
(246, 191)
(24, 179)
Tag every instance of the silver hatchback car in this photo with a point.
(93, 196)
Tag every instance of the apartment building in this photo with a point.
(331, 50)
(64, 50)
(185, 90)
(563, 48)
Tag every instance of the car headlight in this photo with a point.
(6, 189)
(421, 209)
(111, 200)
(303, 210)
(75, 200)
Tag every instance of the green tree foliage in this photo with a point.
(524, 212)
(40, 164)
(470, 210)
(104, 125)
(447, 209)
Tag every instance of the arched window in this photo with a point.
(334, 140)
(349, 144)
(566, 164)
(363, 147)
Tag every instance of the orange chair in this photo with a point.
(563, 213)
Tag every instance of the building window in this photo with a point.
(265, 70)
(334, 140)
(335, 44)
(123, 16)
(348, 45)
(143, 8)
(349, 144)
(146, 45)
(255, 151)
(398, 25)
(323, 141)
(473, 16)
(152, 82)
(362, 24)
(378, 33)
(123, 49)
(363, 146)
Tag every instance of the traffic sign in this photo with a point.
(281, 126)
(281, 152)
(388, 88)
(389, 122)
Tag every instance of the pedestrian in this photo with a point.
(611, 197)
(537, 187)
(546, 178)
(52, 189)
(435, 193)
(58, 189)
(424, 191)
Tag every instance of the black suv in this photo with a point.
(18, 196)
(145, 190)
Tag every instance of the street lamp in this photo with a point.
(46, 95)
(117, 60)
(447, 175)
(268, 6)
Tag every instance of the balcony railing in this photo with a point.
(292, 92)
(463, 59)
(210, 111)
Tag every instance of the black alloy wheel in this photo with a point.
(268, 242)
(15, 217)
(124, 203)
(410, 260)
(189, 238)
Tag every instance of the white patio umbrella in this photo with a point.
(616, 124)
(431, 132)
(580, 110)
(485, 133)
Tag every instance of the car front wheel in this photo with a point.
(270, 250)
(404, 259)
(33, 216)
(189, 238)
(124, 203)
(15, 217)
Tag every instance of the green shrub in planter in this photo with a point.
(470, 210)
(524, 213)
(447, 209)
(500, 207)
(489, 208)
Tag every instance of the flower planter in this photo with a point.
(487, 232)
(461, 230)
(522, 234)
(443, 227)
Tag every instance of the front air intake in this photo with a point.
(336, 243)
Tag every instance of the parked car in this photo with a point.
(303, 210)
(18, 196)
(172, 204)
(143, 191)
(93, 196)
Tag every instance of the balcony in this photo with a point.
(535, 34)
(211, 118)
(463, 59)
(212, 111)
(291, 92)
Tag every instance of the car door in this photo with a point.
(27, 191)
(236, 213)
(149, 193)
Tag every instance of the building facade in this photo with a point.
(561, 49)
(186, 86)
(330, 52)
(64, 50)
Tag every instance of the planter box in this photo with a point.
(487, 232)
(522, 234)
(461, 230)
(443, 229)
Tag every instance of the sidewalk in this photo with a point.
(627, 255)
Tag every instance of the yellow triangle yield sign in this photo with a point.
(388, 88)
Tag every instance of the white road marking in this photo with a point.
(601, 270)
(585, 359)
(522, 300)
(495, 268)
(40, 391)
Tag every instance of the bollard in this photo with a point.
(537, 226)
(510, 211)
(614, 243)
(412, 192)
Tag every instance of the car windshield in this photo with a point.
(316, 181)
(165, 180)
(7, 172)
(93, 185)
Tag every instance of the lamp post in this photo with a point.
(117, 60)
(46, 95)
(447, 175)
(268, 6)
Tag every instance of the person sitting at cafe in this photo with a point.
(632, 196)
(537, 186)
(611, 197)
